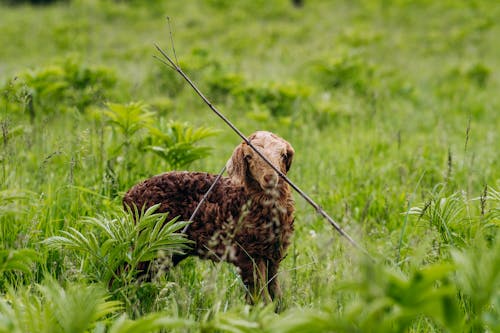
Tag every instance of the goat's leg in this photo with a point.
(272, 281)
(262, 281)
(254, 275)
(273, 285)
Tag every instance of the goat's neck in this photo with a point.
(279, 196)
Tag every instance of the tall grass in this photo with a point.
(391, 109)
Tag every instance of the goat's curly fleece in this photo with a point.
(238, 223)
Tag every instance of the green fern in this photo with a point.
(110, 243)
(51, 308)
(176, 143)
(58, 87)
(129, 118)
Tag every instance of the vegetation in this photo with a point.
(392, 108)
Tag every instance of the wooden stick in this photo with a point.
(317, 207)
(205, 196)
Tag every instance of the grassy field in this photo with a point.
(392, 108)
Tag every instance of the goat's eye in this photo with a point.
(284, 157)
(248, 157)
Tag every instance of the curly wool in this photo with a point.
(240, 222)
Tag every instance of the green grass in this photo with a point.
(392, 108)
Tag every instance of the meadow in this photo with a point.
(392, 108)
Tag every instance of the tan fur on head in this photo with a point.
(249, 169)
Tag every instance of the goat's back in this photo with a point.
(229, 213)
(179, 192)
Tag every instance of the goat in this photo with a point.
(247, 218)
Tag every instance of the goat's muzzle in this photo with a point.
(269, 181)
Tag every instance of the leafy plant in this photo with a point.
(111, 244)
(199, 62)
(282, 99)
(346, 71)
(224, 85)
(128, 119)
(478, 277)
(242, 320)
(52, 308)
(463, 79)
(444, 213)
(59, 87)
(75, 308)
(134, 125)
(389, 301)
(176, 143)
(479, 74)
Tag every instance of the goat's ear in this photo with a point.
(289, 157)
(237, 165)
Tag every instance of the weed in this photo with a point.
(176, 143)
(58, 88)
(112, 250)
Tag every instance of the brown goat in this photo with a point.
(246, 220)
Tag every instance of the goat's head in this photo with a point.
(248, 168)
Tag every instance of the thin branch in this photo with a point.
(165, 63)
(318, 208)
(172, 41)
(205, 196)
